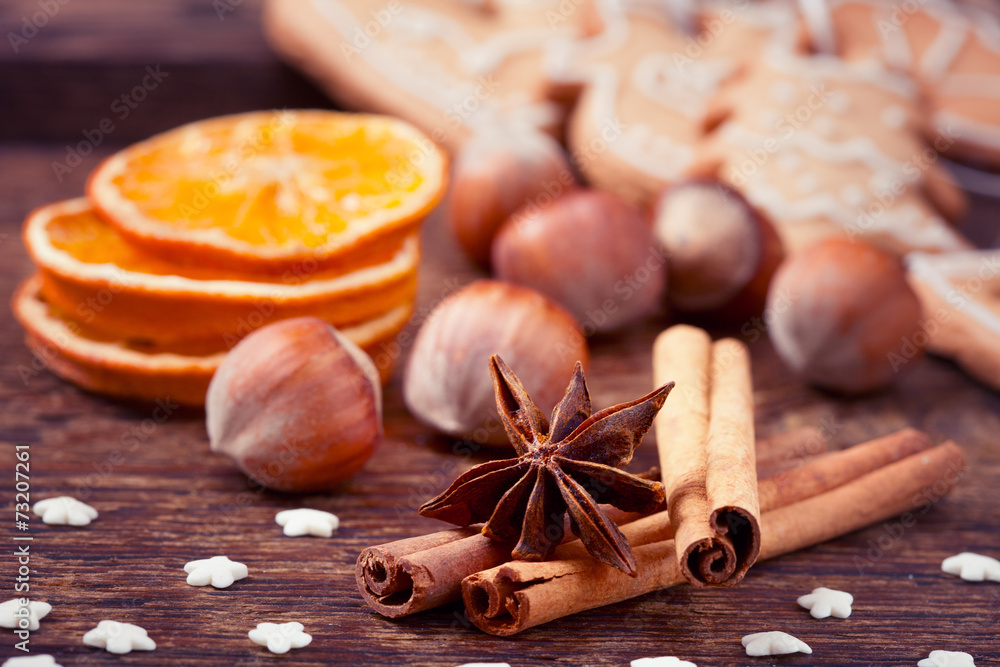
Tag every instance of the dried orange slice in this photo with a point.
(149, 372)
(267, 190)
(91, 273)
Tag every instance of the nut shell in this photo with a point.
(723, 252)
(843, 317)
(497, 172)
(296, 405)
(590, 251)
(447, 381)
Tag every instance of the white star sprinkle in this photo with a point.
(774, 643)
(306, 521)
(23, 617)
(218, 571)
(41, 660)
(947, 659)
(120, 638)
(65, 511)
(664, 661)
(280, 637)
(824, 602)
(972, 567)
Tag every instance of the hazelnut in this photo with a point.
(843, 317)
(498, 171)
(722, 252)
(296, 405)
(592, 252)
(447, 381)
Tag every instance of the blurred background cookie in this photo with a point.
(444, 65)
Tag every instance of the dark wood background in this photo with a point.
(171, 501)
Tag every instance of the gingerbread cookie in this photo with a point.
(662, 92)
(647, 86)
(446, 66)
(960, 296)
(826, 147)
(953, 50)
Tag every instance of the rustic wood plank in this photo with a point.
(120, 31)
(90, 93)
(170, 501)
(142, 71)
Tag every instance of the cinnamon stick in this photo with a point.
(783, 451)
(705, 438)
(419, 573)
(402, 578)
(823, 473)
(415, 574)
(516, 596)
(815, 477)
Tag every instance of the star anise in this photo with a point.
(566, 466)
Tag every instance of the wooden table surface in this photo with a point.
(165, 500)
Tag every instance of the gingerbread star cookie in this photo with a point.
(446, 66)
(826, 148)
(952, 49)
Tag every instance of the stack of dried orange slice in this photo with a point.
(192, 239)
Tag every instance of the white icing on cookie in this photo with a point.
(854, 195)
(824, 126)
(895, 46)
(778, 16)
(839, 103)
(638, 146)
(829, 68)
(893, 117)
(958, 26)
(768, 118)
(947, 44)
(684, 89)
(783, 92)
(873, 193)
(492, 53)
(859, 149)
(883, 180)
(905, 221)
(563, 57)
(679, 84)
(968, 129)
(422, 25)
(807, 183)
(938, 270)
(399, 60)
(788, 161)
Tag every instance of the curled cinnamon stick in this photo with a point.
(415, 574)
(408, 576)
(707, 454)
(516, 596)
(397, 578)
